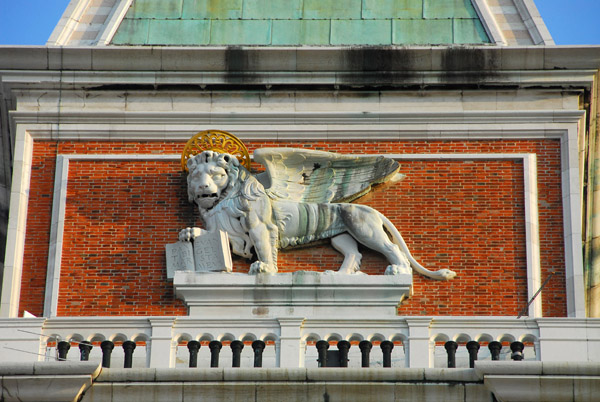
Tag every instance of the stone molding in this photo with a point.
(146, 62)
(299, 79)
(147, 122)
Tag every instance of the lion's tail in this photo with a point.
(441, 275)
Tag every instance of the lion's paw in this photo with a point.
(188, 234)
(397, 270)
(349, 270)
(259, 267)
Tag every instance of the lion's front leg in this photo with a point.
(264, 236)
(265, 247)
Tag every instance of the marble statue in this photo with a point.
(303, 196)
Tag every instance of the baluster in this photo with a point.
(193, 347)
(517, 351)
(215, 349)
(322, 347)
(128, 348)
(495, 347)
(473, 348)
(85, 348)
(236, 348)
(63, 348)
(258, 346)
(343, 347)
(107, 348)
(386, 348)
(365, 350)
(451, 347)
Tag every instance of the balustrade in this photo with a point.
(314, 344)
(326, 357)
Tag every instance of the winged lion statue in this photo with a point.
(303, 196)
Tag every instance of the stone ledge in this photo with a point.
(508, 381)
(301, 294)
(541, 381)
(485, 368)
(46, 381)
(271, 385)
(55, 368)
(300, 375)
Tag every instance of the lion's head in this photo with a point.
(211, 175)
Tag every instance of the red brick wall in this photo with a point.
(466, 215)
(33, 278)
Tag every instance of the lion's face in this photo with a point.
(206, 183)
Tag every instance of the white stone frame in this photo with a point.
(474, 125)
(530, 202)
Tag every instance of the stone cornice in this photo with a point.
(563, 66)
(274, 118)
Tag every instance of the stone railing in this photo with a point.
(417, 342)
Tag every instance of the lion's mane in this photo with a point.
(240, 181)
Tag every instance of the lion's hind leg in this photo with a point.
(366, 226)
(347, 246)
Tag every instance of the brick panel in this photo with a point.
(466, 215)
(33, 279)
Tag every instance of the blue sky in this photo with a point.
(30, 22)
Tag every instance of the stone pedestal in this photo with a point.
(298, 294)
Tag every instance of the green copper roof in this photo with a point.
(300, 22)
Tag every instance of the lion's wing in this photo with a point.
(306, 175)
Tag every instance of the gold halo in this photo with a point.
(218, 141)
